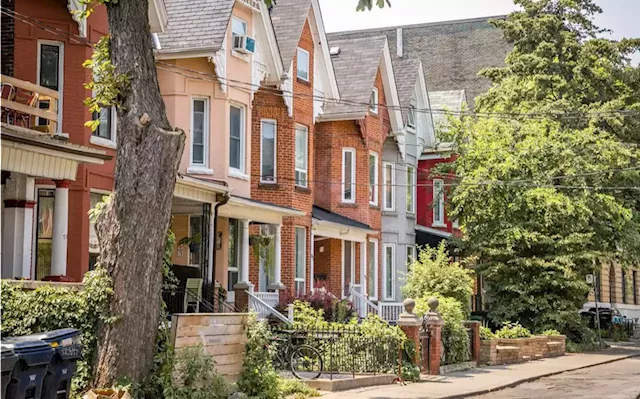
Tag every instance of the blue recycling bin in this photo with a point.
(9, 360)
(67, 350)
(33, 357)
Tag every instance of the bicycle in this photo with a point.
(304, 361)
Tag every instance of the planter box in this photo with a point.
(508, 351)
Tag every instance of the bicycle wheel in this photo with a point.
(306, 362)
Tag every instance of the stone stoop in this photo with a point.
(341, 382)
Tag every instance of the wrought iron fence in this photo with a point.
(346, 349)
(210, 302)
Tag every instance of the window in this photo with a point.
(372, 268)
(349, 175)
(195, 232)
(624, 286)
(411, 255)
(303, 64)
(438, 202)
(389, 270)
(348, 267)
(388, 188)
(44, 232)
(106, 128)
(373, 178)
(301, 260)
(411, 189)
(94, 248)
(302, 155)
(199, 131)
(236, 132)
(411, 116)
(50, 75)
(267, 258)
(373, 101)
(238, 27)
(268, 139)
(635, 287)
(234, 254)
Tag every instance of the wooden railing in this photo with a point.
(21, 101)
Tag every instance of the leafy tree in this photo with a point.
(433, 273)
(534, 193)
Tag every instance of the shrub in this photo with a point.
(433, 273)
(486, 334)
(513, 330)
(258, 378)
(334, 310)
(551, 332)
(194, 377)
(287, 387)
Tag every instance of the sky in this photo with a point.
(621, 16)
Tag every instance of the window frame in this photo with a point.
(113, 128)
(275, 151)
(375, 191)
(411, 190)
(375, 267)
(296, 279)
(243, 132)
(236, 268)
(60, 45)
(308, 63)
(385, 294)
(439, 206)
(392, 170)
(205, 134)
(412, 117)
(343, 191)
(300, 128)
(373, 105)
(243, 22)
(411, 252)
(353, 267)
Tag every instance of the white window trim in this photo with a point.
(306, 155)
(205, 135)
(376, 192)
(246, 26)
(375, 268)
(308, 64)
(353, 267)
(411, 251)
(374, 107)
(239, 173)
(275, 152)
(304, 259)
(385, 294)
(351, 200)
(412, 210)
(384, 186)
(61, 77)
(107, 143)
(34, 225)
(439, 205)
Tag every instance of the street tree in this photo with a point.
(133, 224)
(536, 192)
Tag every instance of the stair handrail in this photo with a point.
(365, 299)
(271, 310)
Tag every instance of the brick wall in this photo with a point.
(425, 194)
(507, 351)
(8, 27)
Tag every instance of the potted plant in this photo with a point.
(193, 243)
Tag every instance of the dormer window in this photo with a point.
(238, 27)
(303, 64)
(411, 116)
(373, 101)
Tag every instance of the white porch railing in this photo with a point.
(270, 298)
(263, 309)
(390, 311)
(362, 304)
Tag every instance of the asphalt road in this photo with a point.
(617, 380)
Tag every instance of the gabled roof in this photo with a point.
(288, 17)
(195, 25)
(407, 73)
(355, 67)
(451, 100)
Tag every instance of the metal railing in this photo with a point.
(263, 309)
(175, 301)
(22, 105)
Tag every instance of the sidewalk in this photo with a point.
(482, 380)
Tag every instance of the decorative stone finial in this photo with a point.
(409, 304)
(433, 304)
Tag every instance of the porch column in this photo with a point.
(312, 267)
(17, 223)
(243, 285)
(363, 277)
(277, 273)
(60, 229)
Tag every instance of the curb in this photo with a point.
(529, 379)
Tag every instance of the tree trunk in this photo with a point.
(132, 228)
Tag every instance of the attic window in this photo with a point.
(334, 50)
(373, 101)
(411, 116)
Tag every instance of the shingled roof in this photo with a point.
(195, 24)
(355, 67)
(452, 52)
(406, 72)
(288, 17)
(451, 100)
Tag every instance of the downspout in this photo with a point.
(225, 198)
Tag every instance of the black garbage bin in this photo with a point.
(28, 374)
(67, 350)
(9, 360)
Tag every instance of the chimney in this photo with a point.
(399, 49)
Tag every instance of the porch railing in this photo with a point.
(213, 303)
(362, 304)
(263, 309)
(390, 311)
(22, 104)
(270, 298)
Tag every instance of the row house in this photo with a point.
(53, 167)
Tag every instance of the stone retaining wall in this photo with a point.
(221, 335)
(507, 351)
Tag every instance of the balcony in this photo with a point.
(28, 105)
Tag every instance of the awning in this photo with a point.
(333, 225)
(256, 211)
(43, 155)
(198, 189)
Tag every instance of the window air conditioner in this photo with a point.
(244, 44)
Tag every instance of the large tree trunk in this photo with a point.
(132, 228)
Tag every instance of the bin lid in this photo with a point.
(9, 358)
(58, 336)
(30, 349)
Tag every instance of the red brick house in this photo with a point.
(349, 143)
(44, 44)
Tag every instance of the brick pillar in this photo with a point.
(242, 298)
(409, 323)
(475, 343)
(433, 325)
